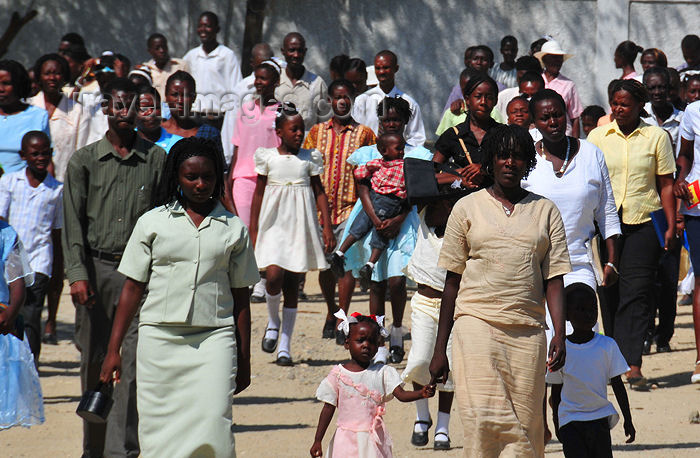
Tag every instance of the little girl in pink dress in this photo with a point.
(359, 390)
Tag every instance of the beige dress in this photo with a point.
(499, 347)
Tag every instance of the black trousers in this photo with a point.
(666, 295)
(31, 312)
(626, 306)
(586, 439)
(119, 436)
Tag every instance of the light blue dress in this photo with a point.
(13, 128)
(21, 402)
(394, 258)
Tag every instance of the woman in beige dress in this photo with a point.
(505, 251)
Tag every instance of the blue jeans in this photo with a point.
(385, 206)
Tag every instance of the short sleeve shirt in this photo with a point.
(449, 144)
(504, 260)
(634, 161)
(190, 270)
(690, 131)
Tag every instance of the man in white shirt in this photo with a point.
(244, 89)
(306, 90)
(365, 109)
(215, 69)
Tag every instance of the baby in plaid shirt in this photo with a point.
(388, 196)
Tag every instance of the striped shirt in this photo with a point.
(34, 213)
(104, 195)
(337, 178)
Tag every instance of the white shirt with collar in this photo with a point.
(34, 213)
(671, 125)
(216, 75)
(364, 111)
(308, 94)
(245, 88)
(97, 119)
(69, 126)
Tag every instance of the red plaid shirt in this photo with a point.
(387, 176)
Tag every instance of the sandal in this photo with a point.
(420, 439)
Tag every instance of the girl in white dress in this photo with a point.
(284, 224)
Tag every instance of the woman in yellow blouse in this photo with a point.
(641, 166)
(194, 332)
(505, 251)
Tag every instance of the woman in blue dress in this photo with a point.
(394, 113)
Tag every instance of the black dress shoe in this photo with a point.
(285, 361)
(365, 276)
(663, 347)
(396, 354)
(338, 265)
(646, 350)
(329, 329)
(442, 444)
(420, 439)
(339, 337)
(269, 345)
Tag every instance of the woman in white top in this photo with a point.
(572, 173)
(68, 124)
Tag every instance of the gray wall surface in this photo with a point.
(429, 36)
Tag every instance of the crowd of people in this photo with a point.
(172, 193)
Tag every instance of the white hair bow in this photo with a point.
(346, 321)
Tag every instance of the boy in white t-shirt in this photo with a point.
(583, 416)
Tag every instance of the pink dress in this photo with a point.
(255, 128)
(359, 398)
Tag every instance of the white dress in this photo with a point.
(289, 234)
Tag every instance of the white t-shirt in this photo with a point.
(585, 375)
(690, 130)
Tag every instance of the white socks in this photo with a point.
(340, 253)
(396, 337)
(382, 355)
(443, 424)
(422, 414)
(288, 318)
(273, 314)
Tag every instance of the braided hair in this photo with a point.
(185, 149)
(505, 140)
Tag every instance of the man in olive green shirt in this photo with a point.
(109, 184)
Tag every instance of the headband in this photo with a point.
(275, 66)
(346, 321)
(145, 74)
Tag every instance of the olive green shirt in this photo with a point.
(190, 270)
(103, 196)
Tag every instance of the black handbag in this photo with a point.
(421, 181)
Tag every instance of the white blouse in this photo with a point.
(583, 196)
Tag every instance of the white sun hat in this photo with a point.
(552, 47)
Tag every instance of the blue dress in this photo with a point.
(21, 402)
(395, 258)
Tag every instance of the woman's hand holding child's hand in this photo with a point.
(428, 391)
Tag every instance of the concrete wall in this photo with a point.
(429, 36)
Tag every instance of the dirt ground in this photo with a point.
(277, 415)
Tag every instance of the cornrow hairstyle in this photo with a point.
(634, 87)
(398, 104)
(21, 84)
(342, 83)
(366, 319)
(181, 75)
(478, 79)
(185, 149)
(505, 141)
(62, 64)
(355, 64)
(285, 111)
(546, 94)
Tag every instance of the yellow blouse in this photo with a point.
(634, 161)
